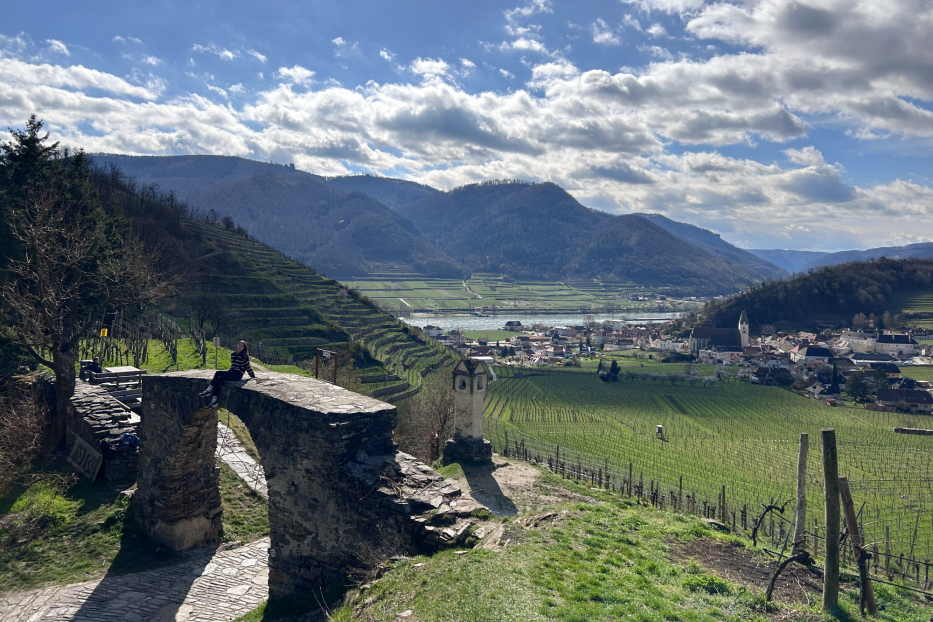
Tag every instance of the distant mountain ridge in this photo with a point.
(540, 231)
(358, 225)
(713, 243)
(340, 231)
(790, 260)
(922, 250)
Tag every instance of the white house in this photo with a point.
(897, 345)
(860, 341)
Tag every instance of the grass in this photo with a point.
(240, 431)
(609, 559)
(743, 437)
(490, 335)
(917, 372)
(93, 532)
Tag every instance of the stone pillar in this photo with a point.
(338, 488)
(469, 386)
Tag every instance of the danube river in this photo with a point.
(469, 322)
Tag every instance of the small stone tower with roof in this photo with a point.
(743, 329)
(470, 379)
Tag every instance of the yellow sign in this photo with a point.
(103, 332)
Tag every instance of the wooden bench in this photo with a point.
(131, 398)
(117, 381)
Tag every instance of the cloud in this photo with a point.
(808, 156)
(429, 67)
(58, 47)
(644, 139)
(603, 34)
(151, 60)
(666, 6)
(260, 57)
(630, 22)
(119, 39)
(222, 53)
(295, 75)
(533, 7)
(386, 55)
(657, 30)
(339, 41)
(657, 52)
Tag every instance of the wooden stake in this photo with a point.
(831, 499)
(800, 521)
(867, 594)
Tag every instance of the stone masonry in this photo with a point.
(338, 488)
(469, 382)
(101, 420)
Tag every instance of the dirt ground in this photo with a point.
(512, 488)
(744, 567)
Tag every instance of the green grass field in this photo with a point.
(412, 293)
(490, 335)
(744, 437)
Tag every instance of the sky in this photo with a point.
(778, 124)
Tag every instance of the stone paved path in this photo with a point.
(216, 585)
(234, 454)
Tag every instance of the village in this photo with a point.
(864, 366)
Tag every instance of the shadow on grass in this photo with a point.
(485, 489)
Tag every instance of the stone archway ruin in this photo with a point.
(338, 486)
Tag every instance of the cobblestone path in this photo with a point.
(214, 585)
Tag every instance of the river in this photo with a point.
(468, 322)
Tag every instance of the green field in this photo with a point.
(915, 302)
(410, 293)
(743, 437)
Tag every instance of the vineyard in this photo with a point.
(743, 437)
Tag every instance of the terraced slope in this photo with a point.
(288, 308)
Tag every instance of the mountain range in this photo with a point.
(353, 226)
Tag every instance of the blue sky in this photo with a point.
(778, 124)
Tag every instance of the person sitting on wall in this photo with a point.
(239, 363)
(94, 366)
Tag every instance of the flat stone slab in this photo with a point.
(217, 585)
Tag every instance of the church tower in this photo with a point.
(743, 329)
(470, 378)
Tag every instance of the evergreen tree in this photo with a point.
(856, 387)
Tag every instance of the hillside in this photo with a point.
(923, 250)
(393, 193)
(790, 260)
(258, 294)
(540, 231)
(713, 243)
(340, 233)
(830, 295)
(325, 223)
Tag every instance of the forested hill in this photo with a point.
(393, 193)
(540, 231)
(831, 295)
(713, 243)
(341, 232)
(923, 250)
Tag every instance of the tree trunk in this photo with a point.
(64, 368)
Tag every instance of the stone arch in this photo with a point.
(337, 484)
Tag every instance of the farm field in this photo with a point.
(916, 302)
(743, 437)
(412, 293)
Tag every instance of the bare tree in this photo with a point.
(70, 272)
(22, 419)
(426, 420)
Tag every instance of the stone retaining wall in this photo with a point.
(100, 420)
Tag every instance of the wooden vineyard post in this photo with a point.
(887, 549)
(867, 594)
(629, 479)
(831, 499)
(800, 521)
